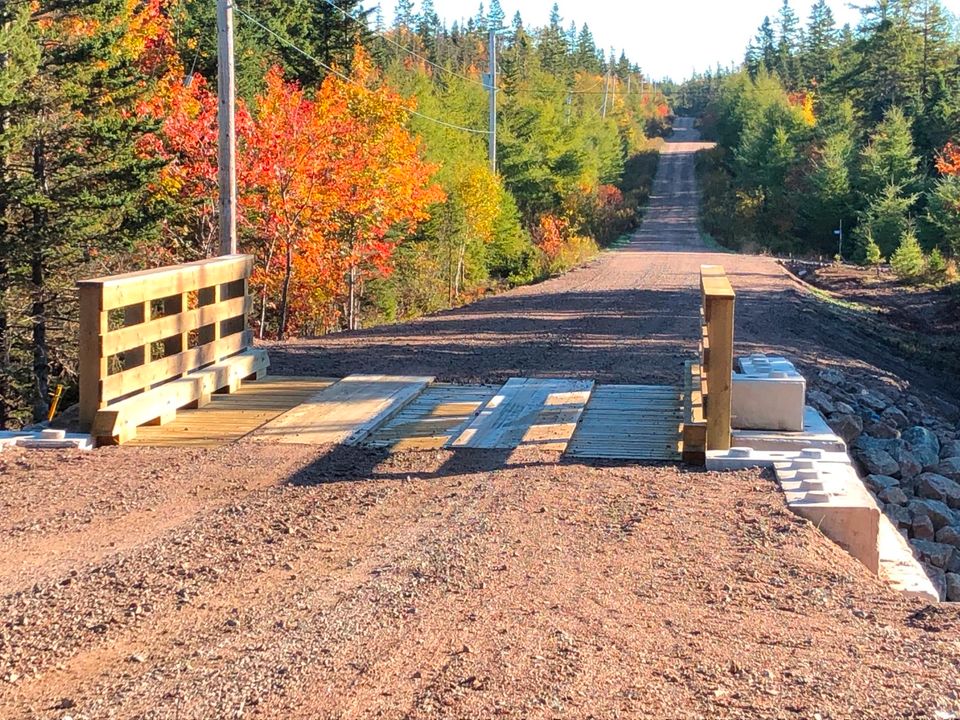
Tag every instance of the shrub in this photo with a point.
(936, 266)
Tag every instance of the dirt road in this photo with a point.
(630, 316)
(297, 582)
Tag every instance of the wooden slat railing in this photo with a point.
(141, 331)
(717, 357)
(709, 383)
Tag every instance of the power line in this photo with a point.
(347, 78)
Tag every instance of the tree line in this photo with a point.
(825, 127)
(362, 192)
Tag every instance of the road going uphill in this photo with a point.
(295, 582)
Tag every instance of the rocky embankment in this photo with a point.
(909, 457)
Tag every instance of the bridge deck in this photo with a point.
(230, 417)
(628, 422)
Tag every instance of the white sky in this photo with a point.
(667, 38)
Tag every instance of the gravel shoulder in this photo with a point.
(320, 582)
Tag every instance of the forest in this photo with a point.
(826, 129)
(364, 188)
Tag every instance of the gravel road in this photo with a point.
(302, 582)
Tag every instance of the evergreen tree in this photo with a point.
(19, 61)
(787, 63)
(820, 44)
(552, 45)
(872, 257)
(943, 212)
(76, 186)
(886, 218)
(586, 57)
(888, 158)
(907, 260)
(496, 15)
(403, 16)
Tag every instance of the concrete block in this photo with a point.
(898, 566)
(47, 440)
(768, 394)
(831, 496)
(739, 458)
(816, 433)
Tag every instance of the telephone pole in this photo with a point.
(227, 139)
(492, 86)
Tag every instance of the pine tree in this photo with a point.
(496, 15)
(787, 62)
(820, 44)
(586, 57)
(871, 253)
(888, 158)
(907, 261)
(936, 266)
(19, 60)
(77, 187)
(552, 45)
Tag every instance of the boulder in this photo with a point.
(937, 487)
(934, 510)
(821, 401)
(950, 468)
(847, 426)
(933, 553)
(921, 528)
(881, 430)
(950, 449)
(953, 587)
(900, 516)
(938, 578)
(948, 535)
(868, 416)
(880, 482)
(865, 442)
(894, 416)
(910, 467)
(924, 444)
(845, 409)
(893, 495)
(877, 462)
(831, 377)
(874, 400)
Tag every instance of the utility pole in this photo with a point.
(492, 86)
(606, 88)
(227, 140)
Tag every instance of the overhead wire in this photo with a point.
(347, 78)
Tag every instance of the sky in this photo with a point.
(667, 38)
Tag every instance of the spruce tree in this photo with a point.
(907, 260)
(820, 44)
(888, 158)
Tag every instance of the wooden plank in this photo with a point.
(144, 376)
(630, 422)
(118, 422)
(145, 285)
(720, 374)
(345, 412)
(229, 418)
(117, 341)
(528, 411)
(93, 364)
(433, 419)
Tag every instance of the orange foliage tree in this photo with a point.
(948, 160)
(326, 187)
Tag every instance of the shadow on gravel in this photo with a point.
(361, 464)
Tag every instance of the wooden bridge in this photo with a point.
(167, 359)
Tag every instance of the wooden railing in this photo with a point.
(142, 331)
(709, 383)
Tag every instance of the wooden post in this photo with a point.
(93, 363)
(720, 378)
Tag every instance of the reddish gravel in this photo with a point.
(302, 583)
